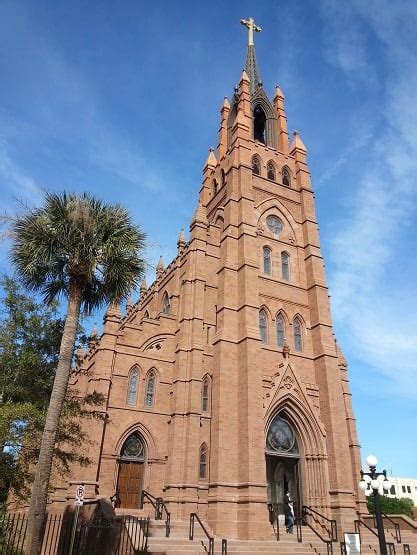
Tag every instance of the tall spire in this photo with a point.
(251, 66)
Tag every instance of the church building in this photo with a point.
(224, 386)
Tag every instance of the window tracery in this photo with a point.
(256, 166)
(280, 330)
(166, 305)
(286, 178)
(132, 386)
(202, 467)
(298, 341)
(150, 389)
(267, 261)
(263, 326)
(285, 266)
(270, 171)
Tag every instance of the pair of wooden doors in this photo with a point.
(129, 484)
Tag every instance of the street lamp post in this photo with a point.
(372, 481)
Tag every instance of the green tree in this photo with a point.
(30, 336)
(392, 505)
(90, 253)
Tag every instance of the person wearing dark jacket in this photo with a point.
(289, 513)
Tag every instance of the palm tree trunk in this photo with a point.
(38, 501)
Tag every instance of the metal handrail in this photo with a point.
(333, 524)
(396, 527)
(329, 543)
(275, 519)
(159, 505)
(358, 523)
(194, 516)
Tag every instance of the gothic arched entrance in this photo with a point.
(282, 464)
(131, 471)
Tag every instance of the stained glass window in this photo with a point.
(166, 304)
(132, 387)
(285, 266)
(281, 437)
(202, 471)
(256, 166)
(270, 171)
(267, 260)
(286, 179)
(274, 225)
(263, 329)
(298, 342)
(205, 395)
(150, 389)
(280, 330)
(133, 447)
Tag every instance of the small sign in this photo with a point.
(352, 544)
(79, 495)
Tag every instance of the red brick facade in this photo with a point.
(234, 333)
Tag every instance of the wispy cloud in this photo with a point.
(373, 302)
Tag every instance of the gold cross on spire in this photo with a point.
(250, 24)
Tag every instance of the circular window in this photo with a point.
(280, 437)
(274, 225)
(133, 447)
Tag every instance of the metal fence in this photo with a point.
(65, 535)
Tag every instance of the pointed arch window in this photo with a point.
(286, 178)
(166, 305)
(215, 186)
(259, 124)
(133, 448)
(298, 340)
(267, 261)
(285, 266)
(263, 326)
(256, 166)
(150, 389)
(202, 466)
(222, 178)
(205, 395)
(270, 171)
(132, 386)
(280, 330)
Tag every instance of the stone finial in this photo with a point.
(79, 354)
(278, 93)
(211, 159)
(129, 304)
(113, 310)
(94, 332)
(143, 287)
(200, 215)
(160, 267)
(181, 241)
(297, 143)
(244, 77)
(226, 104)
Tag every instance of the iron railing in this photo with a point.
(395, 524)
(66, 535)
(160, 507)
(193, 518)
(315, 515)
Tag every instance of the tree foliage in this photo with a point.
(392, 505)
(30, 336)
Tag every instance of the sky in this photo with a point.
(122, 99)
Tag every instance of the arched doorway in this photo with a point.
(131, 471)
(282, 464)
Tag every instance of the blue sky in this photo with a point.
(122, 100)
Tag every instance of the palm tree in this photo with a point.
(89, 252)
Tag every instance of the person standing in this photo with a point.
(289, 513)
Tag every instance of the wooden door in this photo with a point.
(129, 484)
